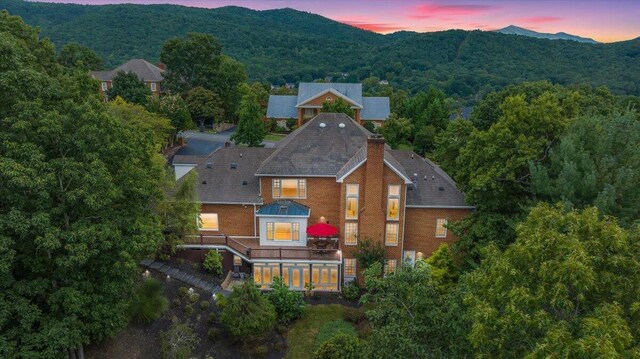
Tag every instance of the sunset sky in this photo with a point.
(602, 20)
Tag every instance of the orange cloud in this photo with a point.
(540, 19)
(432, 10)
(375, 27)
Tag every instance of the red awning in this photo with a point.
(322, 230)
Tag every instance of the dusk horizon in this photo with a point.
(603, 21)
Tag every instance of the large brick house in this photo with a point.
(151, 74)
(311, 96)
(258, 204)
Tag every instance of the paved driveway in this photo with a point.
(202, 143)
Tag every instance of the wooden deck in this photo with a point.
(251, 248)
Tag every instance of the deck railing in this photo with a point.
(263, 252)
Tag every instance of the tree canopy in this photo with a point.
(75, 55)
(130, 88)
(251, 130)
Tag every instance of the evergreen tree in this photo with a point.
(251, 129)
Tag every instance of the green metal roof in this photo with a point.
(284, 208)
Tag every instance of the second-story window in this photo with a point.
(393, 203)
(391, 238)
(208, 221)
(351, 233)
(441, 228)
(289, 188)
(153, 87)
(285, 231)
(352, 201)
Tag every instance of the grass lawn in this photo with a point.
(302, 336)
(274, 137)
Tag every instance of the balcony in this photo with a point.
(251, 249)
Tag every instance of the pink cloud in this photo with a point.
(431, 10)
(373, 26)
(540, 19)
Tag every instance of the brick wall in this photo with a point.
(420, 228)
(233, 219)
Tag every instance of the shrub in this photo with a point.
(280, 129)
(175, 303)
(193, 297)
(204, 305)
(369, 252)
(289, 304)
(291, 123)
(221, 301)
(182, 292)
(214, 333)
(354, 315)
(213, 263)
(211, 318)
(369, 126)
(188, 309)
(178, 341)
(260, 350)
(341, 346)
(148, 301)
(247, 312)
(195, 266)
(351, 291)
(331, 329)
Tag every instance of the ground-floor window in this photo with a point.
(349, 267)
(263, 273)
(409, 257)
(237, 261)
(389, 266)
(297, 275)
(324, 276)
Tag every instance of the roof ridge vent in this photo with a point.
(234, 165)
(209, 164)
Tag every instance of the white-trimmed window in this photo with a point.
(324, 276)
(308, 112)
(263, 273)
(389, 266)
(393, 203)
(349, 267)
(391, 237)
(289, 188)
(153, 86)
(105, 86)
(208, 221)
(351, 233)
(283, 231)
(441, 228)
(352, 193)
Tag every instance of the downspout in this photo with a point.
(255, 226)
(404, 221)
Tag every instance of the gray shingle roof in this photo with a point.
(143, 69)
(282, 107)
(312, 150)
(433, 187)
(284, 208)
(361, 156)
(375, 108)
(187, 159)
(307, 90)
(224, 184)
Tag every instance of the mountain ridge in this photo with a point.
(287, 45)
(516, 30)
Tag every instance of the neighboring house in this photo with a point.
(298, 210)
(151, 74)
(311, 96)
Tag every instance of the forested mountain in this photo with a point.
(286, 45)
(515, 30)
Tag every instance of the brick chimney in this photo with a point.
(162, 66)
(373, 214)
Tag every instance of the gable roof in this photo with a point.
(361, 157)
(353, 103)
(308, 90)
(312, 150)
(143, 69)
(375, 108)
(284, 208)
(432, 186)
(282, 107)
(218, 182)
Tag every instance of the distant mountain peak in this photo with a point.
(516, 30)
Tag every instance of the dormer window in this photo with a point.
(289, 188)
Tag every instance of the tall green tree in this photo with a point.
(449, 142)
(74, 55)
(396, 130)
(129, 87)
(230, 77)
(191, 61)
(72, 225)
(596, 163)
(338, 106)
(174, 108)
(568, 287)
(155, 126)
(251, 130)
(204, 106)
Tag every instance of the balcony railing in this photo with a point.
(251, 248)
